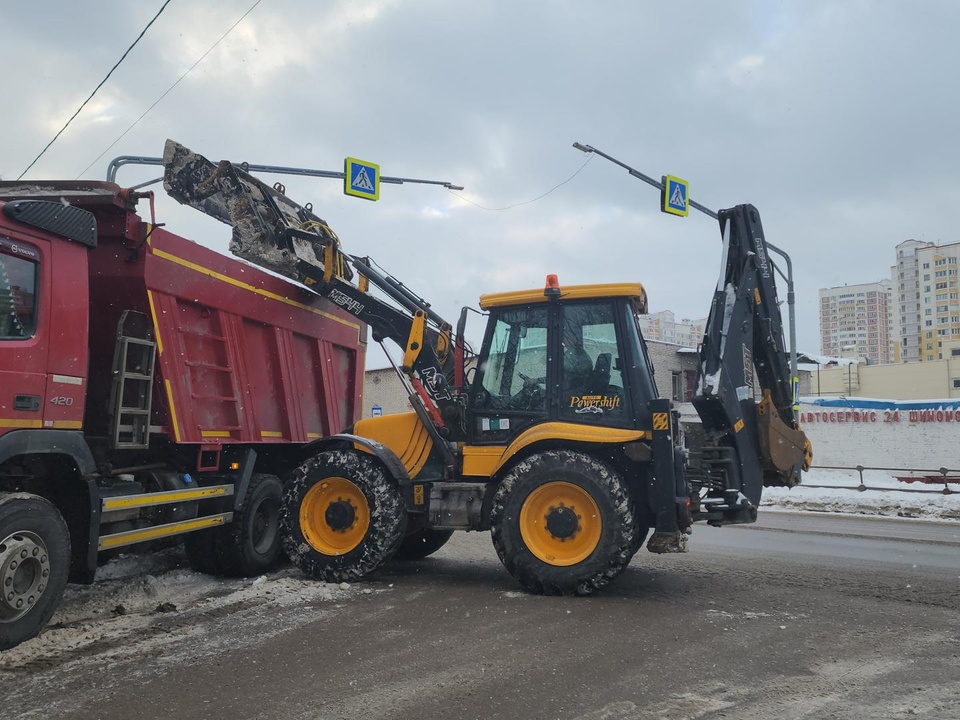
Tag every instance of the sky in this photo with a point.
(836, 120)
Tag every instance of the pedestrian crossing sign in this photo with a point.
(675, 196)
(361, 179)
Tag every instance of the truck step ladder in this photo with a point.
(132, 393)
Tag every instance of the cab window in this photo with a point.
(591, 379)
(18, 291)
(513, 374)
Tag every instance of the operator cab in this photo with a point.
(573, 355)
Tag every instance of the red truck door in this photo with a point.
(24, 292)
(43, 332)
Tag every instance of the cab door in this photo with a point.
(509, 390)
(24, 346)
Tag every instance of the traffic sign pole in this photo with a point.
(791, 298)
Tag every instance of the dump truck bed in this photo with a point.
(243, 356)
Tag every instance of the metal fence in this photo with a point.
(940, 476)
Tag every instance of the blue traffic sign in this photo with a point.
(361, 179)
(675, 196)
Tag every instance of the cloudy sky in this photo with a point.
(838, 120)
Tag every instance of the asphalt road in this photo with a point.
(798, 616)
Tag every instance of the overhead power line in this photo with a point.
(524, 202)
(122, 58)
(169, 89)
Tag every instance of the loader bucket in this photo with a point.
(269, 229)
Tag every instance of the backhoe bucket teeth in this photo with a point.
(269, 229)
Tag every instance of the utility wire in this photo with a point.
(526, 202)
(123, 57)
(169, 89)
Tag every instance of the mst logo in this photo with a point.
(346, 302)
(436, 384)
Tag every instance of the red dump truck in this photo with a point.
(149, 387)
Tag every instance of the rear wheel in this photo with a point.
(34, 564)
(342, 517)
(248, 546)
(422, 543)
(562, 523)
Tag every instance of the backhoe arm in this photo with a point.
(749, 444)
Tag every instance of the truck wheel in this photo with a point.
(422, 543)
(342, 517)
(562, 523)
(34, 564)
(249, 545)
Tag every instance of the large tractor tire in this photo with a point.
(34, 565)
(422, 543)
(248, 546)
(342, 516)
(562, 523)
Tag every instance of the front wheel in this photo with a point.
(34, 564)
(342, 516)
(562, 523)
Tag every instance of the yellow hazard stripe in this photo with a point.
(173, 410)
(31, 424)
(159, 531)
(156, 325)
(246, 286)
(11, 423)
(163, 498)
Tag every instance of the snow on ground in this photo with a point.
(145, 603)
(150, 604)
(838, 491)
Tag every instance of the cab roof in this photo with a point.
(568, 292)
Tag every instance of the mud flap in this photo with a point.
(668, 494)
(668, 542)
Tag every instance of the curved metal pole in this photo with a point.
(791, 314)
(122, 160)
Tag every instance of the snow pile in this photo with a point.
(884, 495)
(141, 603)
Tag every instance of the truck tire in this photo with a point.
(248, 546)
(562, 523)
(422, 543)
(342, 516)
(34, 565)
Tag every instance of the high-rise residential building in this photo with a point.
(663, 326)
(906, 287)
(936, 320)
(856, 319)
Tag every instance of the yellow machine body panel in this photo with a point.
(404, 434)
(488, 460)
(571, 292)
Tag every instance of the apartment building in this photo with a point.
(935, 321)
(663, 327)
(855, 320)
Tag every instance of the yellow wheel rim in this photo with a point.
(334, 516)
(560, 523)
